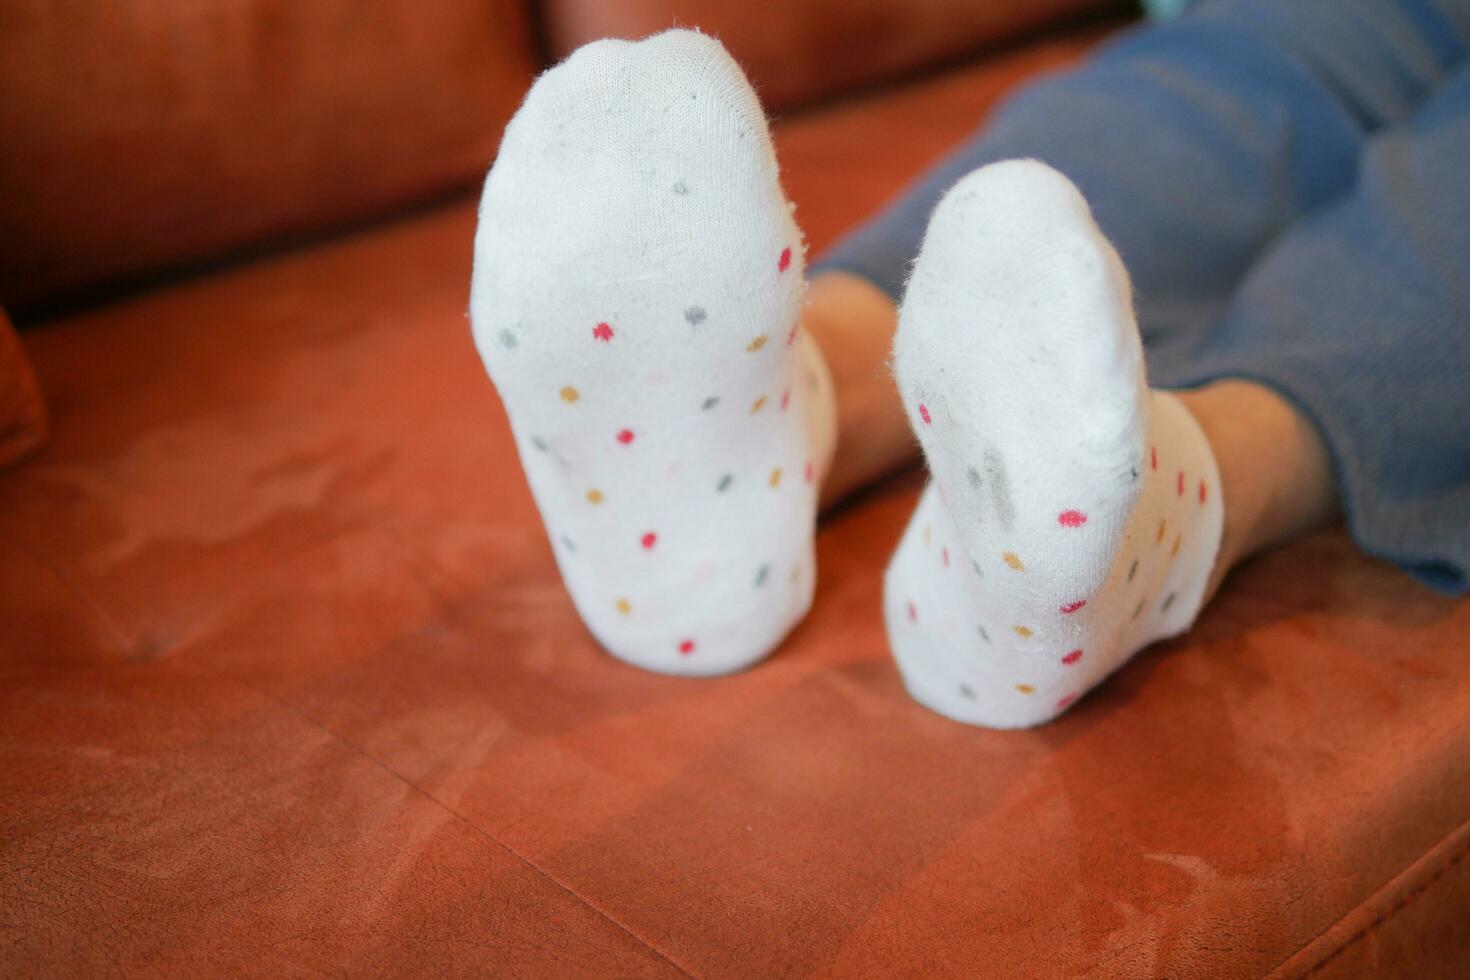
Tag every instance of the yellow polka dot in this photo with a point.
(594, 496)
(776, 477)
(760, 403)
(1014, 561)
(624, 606)
(1022, 631)
(570, 394)
(756, 344)
(1025, 688)
(928, 533)
(1163, 527)
(1178, 539)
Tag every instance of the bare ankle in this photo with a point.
(1275, 475)
(852, 322)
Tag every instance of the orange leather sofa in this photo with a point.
(288, 682)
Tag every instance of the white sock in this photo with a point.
(1073, 515)
(637, 281)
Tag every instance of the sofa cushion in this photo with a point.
(333, 711)
(802, 50)
(143, 136)
(217, 832)
(22, 413)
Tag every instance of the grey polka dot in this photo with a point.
(508, 340)
(695, 315)
(1137, 609)
(762, 575)
(974, 476)
(1133, 569)
(1168, 601)
(568, 544)
(539, 444)
(725, 482)
(984, 635)
(1000, 489)
(680, 187)
(967, 692)
(976, 566)
(710, 403)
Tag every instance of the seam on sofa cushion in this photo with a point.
(555, 880)
(86, 602)
(1429, 869)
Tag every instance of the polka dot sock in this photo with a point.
(1073, 515)
(636, 287)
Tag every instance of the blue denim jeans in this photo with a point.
(1289, 185)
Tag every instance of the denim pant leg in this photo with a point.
(1360, 314)
(1198, 140)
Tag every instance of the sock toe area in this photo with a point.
(1020, 367)
(636, 286)
(1073, 516)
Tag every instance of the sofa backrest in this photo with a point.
(801, 51)
(149, 134)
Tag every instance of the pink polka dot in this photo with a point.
(625, 436)
(1066, 701)
(791, 337)
(1202, 494)
(1181, 483)
(784, 262)
(944, 555)
(811, 471)
(785, 399)
(924, 414)
(1072, 607)
(1153, 453)
(603, 332)
(687, 647)
(649, 540)
(1072, 657)
(1071, 518)
(913, 613)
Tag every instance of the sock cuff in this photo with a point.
(1168, 410)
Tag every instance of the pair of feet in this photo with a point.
(636, 298)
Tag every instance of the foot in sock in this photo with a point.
(1073, 516)
(636, 287)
